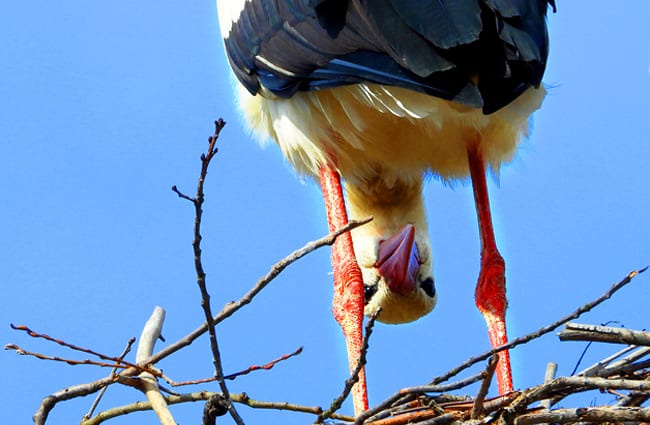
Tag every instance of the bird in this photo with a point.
(372, 97)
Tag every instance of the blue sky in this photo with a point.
(105, 106)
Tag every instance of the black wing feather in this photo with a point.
(437, 47)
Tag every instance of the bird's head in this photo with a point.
(397, 273)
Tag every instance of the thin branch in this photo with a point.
(74, 391)
(246, 371)
(580, 332)
(587, 414)
(595, 369)
(354, 377)
(70, 362)
(198, 201)
(117, 361)
(263, 282)
(82, 390)
(206, 395)
(93, 406)
(488, 374)
(407, 394)
(551, 370)
(150, 334)
(231, 308)
(399, 397)
(582, 383)
(418, 416)
(544, 330)
(605, 368)
(634, 398)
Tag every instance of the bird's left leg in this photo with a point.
(348, 283)
(491, 287)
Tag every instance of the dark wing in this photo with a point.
(482, 53)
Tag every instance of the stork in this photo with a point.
(380, 94)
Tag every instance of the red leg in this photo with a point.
(491, 286)
(348, 282)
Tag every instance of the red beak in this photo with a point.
(399, 261)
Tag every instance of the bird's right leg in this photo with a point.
(491, 286)
(348, 303)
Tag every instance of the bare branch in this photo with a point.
(246, 371)
(574, 383)
(551, 370)
(354, 378)
(406, 394)
(275, 270)
(71, 362)
(544, 330)
(82, 390)
(118, 361)
(206, 395)
(580, 332)
(488, 374)
(197, 201)
(150, 334)
(587, 414)
(93, 406)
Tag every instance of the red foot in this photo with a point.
(348, 300)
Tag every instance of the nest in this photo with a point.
(623, 374)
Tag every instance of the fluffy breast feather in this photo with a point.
(400, 132)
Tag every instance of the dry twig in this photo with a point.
(126, 351)
(580, 332)
(242, 398)
(354, 378)
(246, 371)
(406, 395)
(197, 201)
(150, 334)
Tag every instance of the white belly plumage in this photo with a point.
(402, 133)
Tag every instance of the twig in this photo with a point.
(276, 269)
(634, 398)
(354, 377)
(580, 332)
(267, 366)
(71, 362)
(117, 361)
(419, 417)
(574, 383)
(197, 201)
(551, 370)
(150, 334)
(263, 282)
(206, 395)
(406, 394)
(544, 330)
(246, 371)
(584, 414)
(93, 406)
(488, 374)
(605, 367)
(515, 342)
(595, 369)
(82, 390)
(447, 418)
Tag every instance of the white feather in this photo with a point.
(368, 127)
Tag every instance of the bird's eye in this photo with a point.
(369, 291)
(428, 287)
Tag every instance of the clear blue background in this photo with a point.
(105, 105)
